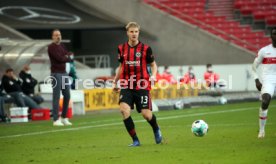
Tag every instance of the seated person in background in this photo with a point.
(28, 84)
(210, 77)
(2, 101)
(168, 76)
(12, 86)
(189, 77)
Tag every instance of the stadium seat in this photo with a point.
(271, 20)
(194, 12)
(260, 10)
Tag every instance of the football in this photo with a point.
(199, 128)
(222, 100)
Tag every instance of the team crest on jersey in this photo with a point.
(138, 54)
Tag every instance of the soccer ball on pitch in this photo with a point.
(199, 128)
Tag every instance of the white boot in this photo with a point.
(66, 122)
(261, 134)
(58, 123)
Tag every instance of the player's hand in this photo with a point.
(115, 88)
(152, 80)
(15, 77)
(71, 57)
(258, 84)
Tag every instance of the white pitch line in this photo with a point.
(120, 123)
(189, 126)
(206, 113)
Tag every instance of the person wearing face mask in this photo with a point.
(211, 78)
(189, 77)
(166, 75)
(12, 86)
(28, 84)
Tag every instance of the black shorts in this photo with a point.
(141, 98)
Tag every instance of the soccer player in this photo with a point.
(267, 58)
(134, 56)
(58, 57)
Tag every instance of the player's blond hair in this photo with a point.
(132, 24)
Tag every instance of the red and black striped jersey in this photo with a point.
(134, 61)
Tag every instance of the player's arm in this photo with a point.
(116, 79)
(150, 60)
(153, 67)
(117, 73)
(255, 66)
(57, 56)
(23, 77)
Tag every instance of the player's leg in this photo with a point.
(30, 102)
(65, 89)
(144, 106)
(126, 102)
(151, 118)
(263, 114)
(18, 99)
(267, 93)
(2, 112)
(56, 84)
(37, 98)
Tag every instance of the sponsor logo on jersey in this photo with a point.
(269, 60)
(133, 63)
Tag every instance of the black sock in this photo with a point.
(153, 123)
(130, 128)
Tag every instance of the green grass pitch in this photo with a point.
(100, 137)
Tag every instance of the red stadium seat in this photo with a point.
(194, 12)
(261, 10)
(271, 20)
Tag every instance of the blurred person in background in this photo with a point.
(29, 83)
(12, 85)
(211, 78)
(59, 56)
(189, 76)
(166, 75)
(3, 116)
